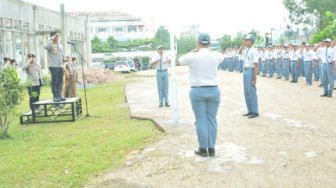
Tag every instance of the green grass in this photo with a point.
(68, 154)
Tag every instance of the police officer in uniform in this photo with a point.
(161, 62)
(204, 93)
(34, 78)
(57, 60)
(250, 76)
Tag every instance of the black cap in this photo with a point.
(74, 59)
(6, 59)
(31, 55)
(12, 60)
(52, 33)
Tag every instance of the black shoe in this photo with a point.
(160, 105)
(167, 105)
(335, 88)
(295, 82)
(248, 114)
(263, 76)
(329, 96)
(62, 99)
(57, 100)
(292, 81)
(253, 115)
(201, 152)
(324, 95)
(212, 152)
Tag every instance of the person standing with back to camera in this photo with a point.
(204, 93)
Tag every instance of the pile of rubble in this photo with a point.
(97, 76)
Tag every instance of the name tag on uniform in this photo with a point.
(55, 50)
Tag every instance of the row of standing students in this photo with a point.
(310, 62)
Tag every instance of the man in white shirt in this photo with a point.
(161, 62)
(250, 76)
(204, 93)
(328, 65)
(241, 62)
(263, 65)
(270, 64)
(294, 58)
(334, 48)
(317, 71)
(284, 61)
(309, 63)
(301, 68)
(276, 61)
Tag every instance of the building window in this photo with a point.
(132, 28)
(25, 26)
(1, 22)
(8, 23)
(118, 29)
(102, 30)
(17, 24)
(41, 28)
(48, 28)
(91, 29)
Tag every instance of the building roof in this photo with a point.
(104, 16)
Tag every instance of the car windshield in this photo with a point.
(130, 63)
(121, 63)
(95, 65)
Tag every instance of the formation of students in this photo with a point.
(311, 62)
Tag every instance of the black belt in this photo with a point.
(248, 68)
(201, 86)
(162, 70)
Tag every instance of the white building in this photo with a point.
(121, 26)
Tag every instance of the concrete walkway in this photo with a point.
(292, 143)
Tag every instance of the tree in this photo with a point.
(185, 44)
(225, 42)
(310, 12)
(162, 37)
(11, 90)
(96, 45)
(329, 31)
(111, 45)
(238, 40)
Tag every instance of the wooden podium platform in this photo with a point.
(48, 111)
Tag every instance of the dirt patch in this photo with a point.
(98, 76)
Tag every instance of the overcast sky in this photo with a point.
(216, 17)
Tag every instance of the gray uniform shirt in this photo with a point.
(55, 54)
(33, 73)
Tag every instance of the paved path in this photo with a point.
(291, 144)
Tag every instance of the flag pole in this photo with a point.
(173, 75)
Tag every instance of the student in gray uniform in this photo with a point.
(250, 76)
(204, 93)
(57, 60)
(34, 78)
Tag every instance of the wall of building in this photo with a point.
(25, 28)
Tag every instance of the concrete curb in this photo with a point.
(156, 124)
